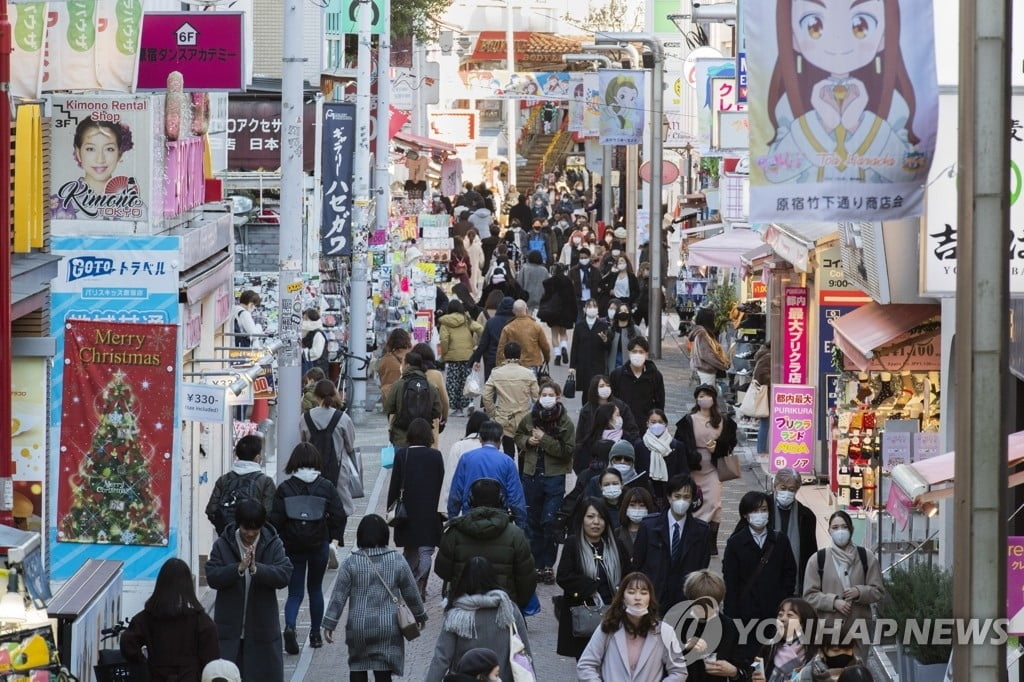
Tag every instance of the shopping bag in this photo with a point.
(755, 401)
(471, 389)
(387, 456)
(728, 468)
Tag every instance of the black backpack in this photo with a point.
(416, 402)
(237, 487)
(861, 552)
(305, 525)
(323, 441)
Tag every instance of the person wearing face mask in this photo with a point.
(671, 545)
(587, 356)
(585, 278)
(784, 659)
(621, 460)
(632, 643)
(245, 326)
(639, 383)
(707, 436)
(620, 282)
(758, 565)
(623, 333)
(659, 454)
(635, 505)
(835, 656)
(570, 254)
(558, 311)
(596, 417)
(843, 580)
(711, 649)
(794, 520)
(545, 439)
(609, 488)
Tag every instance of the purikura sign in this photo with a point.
(792, 429)
(794, 335)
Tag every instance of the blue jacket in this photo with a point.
(488, 346)
(487, 462)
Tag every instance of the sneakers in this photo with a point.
(546, 576)
(291, 642)
(565, 356)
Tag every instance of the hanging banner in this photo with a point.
(577, 102)
(591, 105)
(792, 429)
(119, 25)
(622, 106)
(71, 47)
(28, 23)
(338, 145)
(844, 108)
(115, 463)
(524, 85)
(714, 94)
(594, 153)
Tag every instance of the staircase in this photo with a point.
(534, 157)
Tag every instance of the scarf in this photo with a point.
(660, 447)
(844, 558)
(547, 419)
(613, 435)
(460, 620)
(792, 532)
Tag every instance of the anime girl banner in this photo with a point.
(843, 108)
(525, 85)
(622, 100)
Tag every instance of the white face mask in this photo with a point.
(680, 507)
(757, 520)
(604, 391)
(548, 401)
(637, 359)
(617, 423)
(612, 492)
(584, 261)
(705, 402)
(841, 537)
(656, 429)
(576, 241)
(785, 497)
(636, 515)
(616, 252)
(622, 468)
(622, 267)
(637, 612)
(591, 314)
(611, 313)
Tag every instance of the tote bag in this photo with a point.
(755, 401)
(522, 666)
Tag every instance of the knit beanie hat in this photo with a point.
(622, 448)
(477, 662)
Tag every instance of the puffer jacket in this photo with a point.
(457, 332)
(527, 332)
(487, 349)
(490, 533)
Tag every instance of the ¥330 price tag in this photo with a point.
(203, 403)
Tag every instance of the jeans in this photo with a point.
(543, 498)
(315, 560)
(762, 435)
(419, 560)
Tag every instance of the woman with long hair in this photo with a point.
(475, 249)
(590, 426)
(706, 355)
(558, 311)
(589, 570)
(636, 505)
(389, 367)
(633, 643)
(178, 636)
(788, 653)
(620, 283)
(458, 341)
(490, 306)
(479, 614)
(622, 332)
(588, 356)
(658, 453)
(459, 265)
(344, 438)
(307, 552)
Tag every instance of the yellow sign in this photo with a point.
(294, 287)
(28, 171)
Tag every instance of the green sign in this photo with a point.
(347, 14)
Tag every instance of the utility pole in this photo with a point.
(511, 105)
(291, 236)
(381, 174)
(358, 284)
(982, 328)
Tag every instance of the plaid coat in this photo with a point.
(371, 631)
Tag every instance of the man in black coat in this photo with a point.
(489, 244)
(639, 383)
(585, 279)
(487, 348)
(521, 212)
(655, 551)
(785, 511)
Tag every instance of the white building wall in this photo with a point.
(268, 16)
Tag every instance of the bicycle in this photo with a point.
(346, 383)
(111, 665)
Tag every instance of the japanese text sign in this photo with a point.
(794, 335)
(1015, 583)
(206, 47)
(338, 149)
(623, 112)
(792, 428)
(254, 134)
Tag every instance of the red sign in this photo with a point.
(759, 290)
(117, 433)
(254, 133)
(206, 47)
(794, 335)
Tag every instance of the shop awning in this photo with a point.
(860, 332)
(723, 250)
(755, 257)
(424, 142)
(796, 242)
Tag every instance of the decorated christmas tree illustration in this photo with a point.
(112, 496)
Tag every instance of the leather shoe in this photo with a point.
(291, 642)
(315, 640)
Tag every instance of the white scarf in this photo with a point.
(843, 558)
(660, 446)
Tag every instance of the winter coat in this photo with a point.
(822, 592)
(726, 650)
(263, 490)
(371, 631)
(652, 554)
(642, 393)
(706, 355)
(607, 658)
(557, 449)
(756, 597)
(508, 394)
(487, 461)
(314, 345)
(762, 372)
(531, 279)
(591, 276)
(807, 532)
(436, 379)
(510, 288)
(477, 620)
(487, 348)
(724, 446)
(416, 478)
(557, 303)
(550, 249)
(261, 617)
(521, 212)
(389, 370)
(489, 533)
(177, 647)
(607, 287)
(344, 438)
(577, 588)
(481, 219)
(393, 405)
(585, 424)
(457, 333)
(589, 353)
(303, 482)
(619, 346)
(527, 332)
(675, 463)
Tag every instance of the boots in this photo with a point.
(714, 538)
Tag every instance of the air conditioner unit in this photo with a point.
(882, 259)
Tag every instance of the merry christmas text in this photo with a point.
(106, 337)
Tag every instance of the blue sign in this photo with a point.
(338, 149)
(741, 77)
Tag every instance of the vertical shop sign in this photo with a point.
(794, 335)
(28, 437)
(792, 428)
(338, 145)
(1015, 584)
(832, 304)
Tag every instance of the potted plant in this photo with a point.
(923, 592)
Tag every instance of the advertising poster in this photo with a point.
(338, 149)
(712, 97)
(119, 30)
(792, 428)
(1015, 584)
(794, 335)
(591, 105)
(844, 108)
(28, 22)
(28, 439)
(130, 280)
(71, 46)
(577, 102)
(211, 58)
(524, 85)
(833, 303)
(254, 134)
(102, 159)
(622, 106)
(115, 456)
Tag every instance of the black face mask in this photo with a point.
(840, 661)
(622, 317)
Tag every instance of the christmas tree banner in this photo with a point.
(117, 433)
(843, 108)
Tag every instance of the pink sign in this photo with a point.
(1015, 583)
(899, 505)
(206, 47)
(792, 428)
(794, 335)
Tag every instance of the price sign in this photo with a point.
(203, 403)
